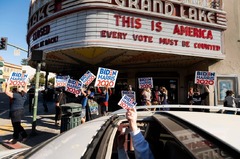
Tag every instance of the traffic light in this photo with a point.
(3, 43)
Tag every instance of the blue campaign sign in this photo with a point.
(205, 77)
(17, 79)
(74, 86)
(87, 78)
(127, 102)
(61, 81)
(130, 94)
(145, 82)
(106, 77)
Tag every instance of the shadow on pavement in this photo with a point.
(38, 138)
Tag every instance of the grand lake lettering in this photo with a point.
(170, 8)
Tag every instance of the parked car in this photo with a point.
(171, 135)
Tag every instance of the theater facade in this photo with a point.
(165, 40)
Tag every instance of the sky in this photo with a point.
(13, 25)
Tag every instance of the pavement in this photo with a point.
(45, 126)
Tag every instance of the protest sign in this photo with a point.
(87, 78)
(205, 77)
(106, 77)
(17, 79)
(145, 82)
(61, 81)
(127, 102)
(74, 86)
(130, 94)
(93, 107)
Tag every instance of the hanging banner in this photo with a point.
(205, 77)
(130, 94)
(61, 81)
(145, 82)
(74, 86)
(87, 78)
(106, 77)
(127, 102)
(17, 79)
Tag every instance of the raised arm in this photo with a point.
(25, 88)
(83, 92)
(7, 91)
(141, 146)
(206, 88)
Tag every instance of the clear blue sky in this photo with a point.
(13, 25)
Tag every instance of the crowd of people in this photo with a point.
(88, 98)
(148, 96)
(159, 96)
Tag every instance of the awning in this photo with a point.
(1, 64)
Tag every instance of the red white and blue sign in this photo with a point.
(127, 102)
(61, 81)
(74, 86)
(145, 82)
(205, 77)
(17, 79)
(130, 94)
(87, 78)
(106, 77)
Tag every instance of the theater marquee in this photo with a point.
(172, 27)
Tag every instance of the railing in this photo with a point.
(212, 109)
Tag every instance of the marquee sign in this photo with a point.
(172, 27)
(192, 10)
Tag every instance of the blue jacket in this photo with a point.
(141, 148)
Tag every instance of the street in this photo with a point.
(45, 128)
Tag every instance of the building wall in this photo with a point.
(8, 68)
(229, 67)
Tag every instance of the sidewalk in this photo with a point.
(45, 127)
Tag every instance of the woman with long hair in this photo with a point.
(164, 97)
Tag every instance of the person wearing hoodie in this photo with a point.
(229, 101)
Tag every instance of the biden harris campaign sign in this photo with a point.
(130, 94)
(145, 82)
(87, 78)
(106, 77)
(17, 79)
(127, 102)
(61, 81)
(74, 86)
(205, 77)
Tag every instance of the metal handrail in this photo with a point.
(220, 109)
